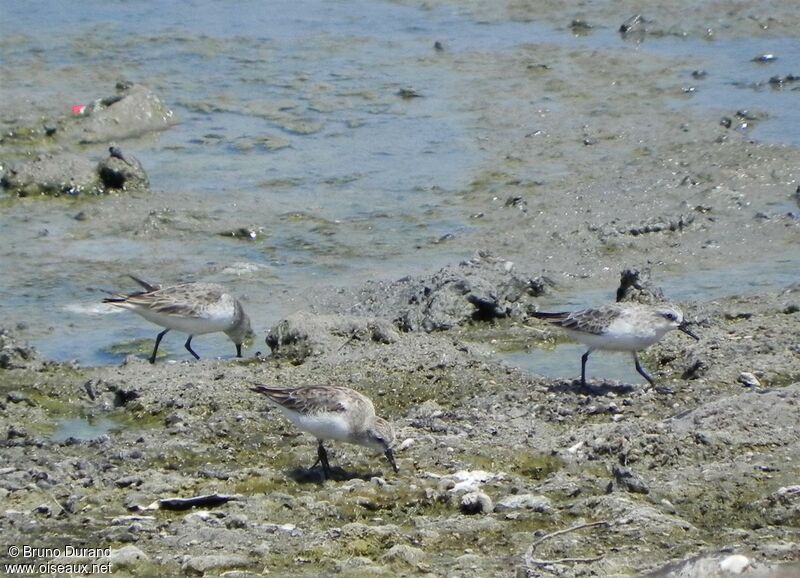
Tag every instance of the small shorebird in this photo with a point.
(193, 308)
(619, 327)
(333, 413)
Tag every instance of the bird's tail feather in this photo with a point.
(147, 286)
(268, 390)
(115, 299)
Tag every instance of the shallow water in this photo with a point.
(291, 125)
(564, 362)
(84, 429)
(736, 83)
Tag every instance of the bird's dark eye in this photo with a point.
(670, 316)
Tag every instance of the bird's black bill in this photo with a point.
(688, 331)
(390, 456)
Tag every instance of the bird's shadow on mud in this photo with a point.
(593, 388)
(315, 475)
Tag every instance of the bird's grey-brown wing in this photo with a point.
(595, 321)
(188, 300)
(310, 399)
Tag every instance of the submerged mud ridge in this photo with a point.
(492, 460)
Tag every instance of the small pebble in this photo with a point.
(748, 379)
(579, 26)
(476, 503)
(408, 93)
(405, 444)
(735, 564)
(768, 57)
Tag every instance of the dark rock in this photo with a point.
(16, 431)
(696, 369)
(91, 390)
(476, 503)
(122, 172)
(516, 201)
(237, 521)
(15, 354)
(123, 397)
(407, 93)
(633, 27)
(636, 286)
(764, 58)
(580, 27)
(128, 481)
(629, 481)
(781, 81)
(745, 114)
(242, 234)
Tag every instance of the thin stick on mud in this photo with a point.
(56, 502)
(532, 563)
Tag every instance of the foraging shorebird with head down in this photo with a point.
(331, 412)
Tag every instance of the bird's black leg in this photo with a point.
(188, 346)
(322, 457)
(238, 350)
(389, 453)
(584, 358)
(158, 341)
(642, 371)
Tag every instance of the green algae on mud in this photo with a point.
(142, 347)
(526, 465)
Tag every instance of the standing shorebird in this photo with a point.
(333, 413)
(619, 327)
(193, 308)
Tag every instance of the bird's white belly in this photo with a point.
(615, 341)
(324, 427)
(191, 325)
